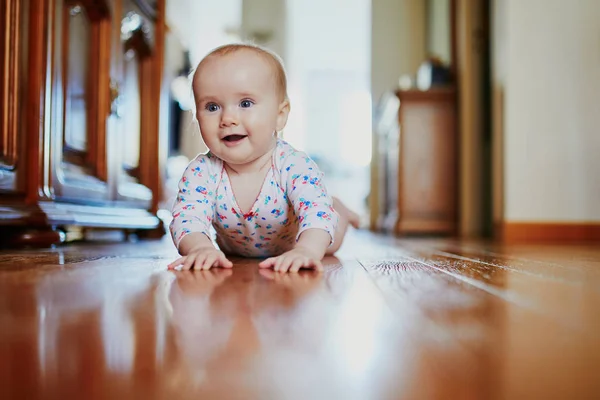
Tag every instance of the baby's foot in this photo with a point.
(352, 217)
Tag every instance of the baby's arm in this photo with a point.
(199, 252)
(313, 208)
(192, 217)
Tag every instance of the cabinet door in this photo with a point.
(13, 52)
(135, 104)
(81, 99)
(427, 177)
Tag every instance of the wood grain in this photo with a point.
(388, 319)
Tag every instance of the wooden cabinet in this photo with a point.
(418, 169)
(79, 120)
(13, 53)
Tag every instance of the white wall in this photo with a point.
(328, 64)
(264, 23)
(204, 24)
(551, 109)
(397, 42)
(438, 34)
(329, 74)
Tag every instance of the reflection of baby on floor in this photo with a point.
(289, 311)
(224, 318)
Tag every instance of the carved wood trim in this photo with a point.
(49, 213)
(154, 173)
(102, 99)
(96, 9)
(148, 112)
(160, 91)
(38, 146)
(10, 48)
(99, 104)
(97, 216)
(140, 43)
(147, 8)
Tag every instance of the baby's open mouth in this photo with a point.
(233, 138)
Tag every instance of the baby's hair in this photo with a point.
(271, 57)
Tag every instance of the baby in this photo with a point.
(263, 197)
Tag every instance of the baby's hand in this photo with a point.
(293, 260)
(202, 258)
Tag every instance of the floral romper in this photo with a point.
(291, 200)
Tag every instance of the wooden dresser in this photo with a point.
(418, 177)
(79, 118)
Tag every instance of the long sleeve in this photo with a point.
(194, 206)
(305, 190)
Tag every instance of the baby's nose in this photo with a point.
(229, 118)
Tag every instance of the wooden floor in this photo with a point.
(388, 319)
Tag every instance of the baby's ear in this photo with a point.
(282, 116)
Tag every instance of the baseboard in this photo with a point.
(525, 232)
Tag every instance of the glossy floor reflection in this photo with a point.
(388, 319)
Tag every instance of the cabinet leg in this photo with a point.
(32, 237)
(155, 233)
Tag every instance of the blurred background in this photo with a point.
(470, 118)
(432, 117)
(337, 55)
(326, 48)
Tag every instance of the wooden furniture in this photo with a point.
(418, 168)
(80, 85)
(427, 164)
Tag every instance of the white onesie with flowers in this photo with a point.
(291, 200)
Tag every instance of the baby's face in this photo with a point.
(238, 107)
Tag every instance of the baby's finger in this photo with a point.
(208, 262)
(176, 263)
(297, 264)
(277, 263)
(285, 264)
(224, 262)
(189, 262)
(218, 262)
(268, 263)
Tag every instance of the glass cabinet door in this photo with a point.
(81, 55)
(78, 27)
(137, 39)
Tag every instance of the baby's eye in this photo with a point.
(211, 107)
(246, 103)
